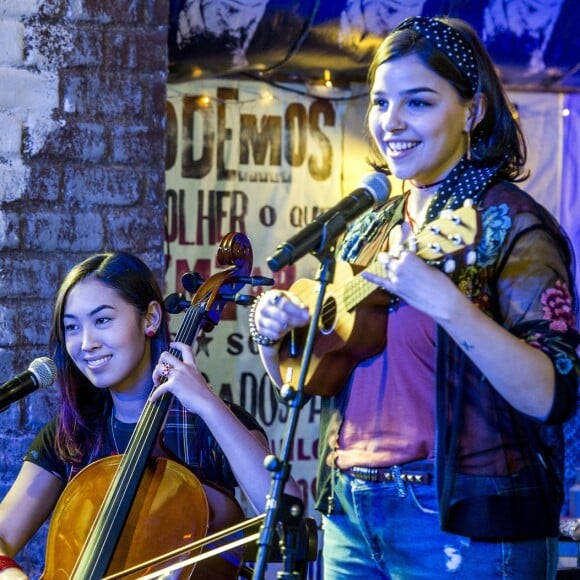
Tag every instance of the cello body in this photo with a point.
(172, 508)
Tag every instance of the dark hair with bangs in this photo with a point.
(498, 138)
(80, 426)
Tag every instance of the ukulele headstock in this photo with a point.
(454, 232)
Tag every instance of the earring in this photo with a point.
(151, 332)
(468, 152)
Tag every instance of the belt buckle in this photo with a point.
(398, 477)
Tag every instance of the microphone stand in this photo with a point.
(277, 504)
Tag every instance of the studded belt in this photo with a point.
(394, 473)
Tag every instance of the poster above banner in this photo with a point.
(533, 42)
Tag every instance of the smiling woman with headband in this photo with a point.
(440, 451)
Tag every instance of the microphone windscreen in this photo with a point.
(377, 184)
(44, 370)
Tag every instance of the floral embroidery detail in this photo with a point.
(555, 345)
(363, 231)
(496, 222)
(563, 364)
(535, 340)
(557, 306)
(471, 285)
(466, 287)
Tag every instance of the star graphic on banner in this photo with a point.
(203, 341)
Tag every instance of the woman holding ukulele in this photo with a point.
(441, 453)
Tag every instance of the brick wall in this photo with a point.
(82, 143)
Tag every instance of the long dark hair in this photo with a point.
(498, 138)
(81, 428)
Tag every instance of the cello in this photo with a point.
(121, 510)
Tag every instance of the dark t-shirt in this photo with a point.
(185, 434)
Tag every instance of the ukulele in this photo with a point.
(353, 316)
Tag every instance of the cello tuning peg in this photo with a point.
(175, 303)
(191, 281)
(240, 299)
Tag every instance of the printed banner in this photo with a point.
(263, 161)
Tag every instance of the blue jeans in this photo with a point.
(391, 531)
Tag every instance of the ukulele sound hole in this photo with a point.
(328, 316)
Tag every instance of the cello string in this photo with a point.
(125, 474)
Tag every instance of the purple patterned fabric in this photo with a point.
(570, 212)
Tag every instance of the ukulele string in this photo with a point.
(427, 244)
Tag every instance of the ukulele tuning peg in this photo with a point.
(452, 217)
(449, 266)
(468, 202)
(470, 257)
(435, 247)
(456, 239)
(436, 230)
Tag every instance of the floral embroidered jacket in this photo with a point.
(522, 278)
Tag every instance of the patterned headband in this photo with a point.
(447, 40)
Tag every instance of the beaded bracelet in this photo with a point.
(7, 562)
(258, 338)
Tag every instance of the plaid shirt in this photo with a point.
(184, 434)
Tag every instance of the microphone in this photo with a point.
(373, 188)
(40, 373)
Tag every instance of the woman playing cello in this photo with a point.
(110, 340)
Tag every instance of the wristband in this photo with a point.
(258, 338)
(7, 562)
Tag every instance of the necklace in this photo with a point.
(427, 185)
(412, 222)
(113, 433)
